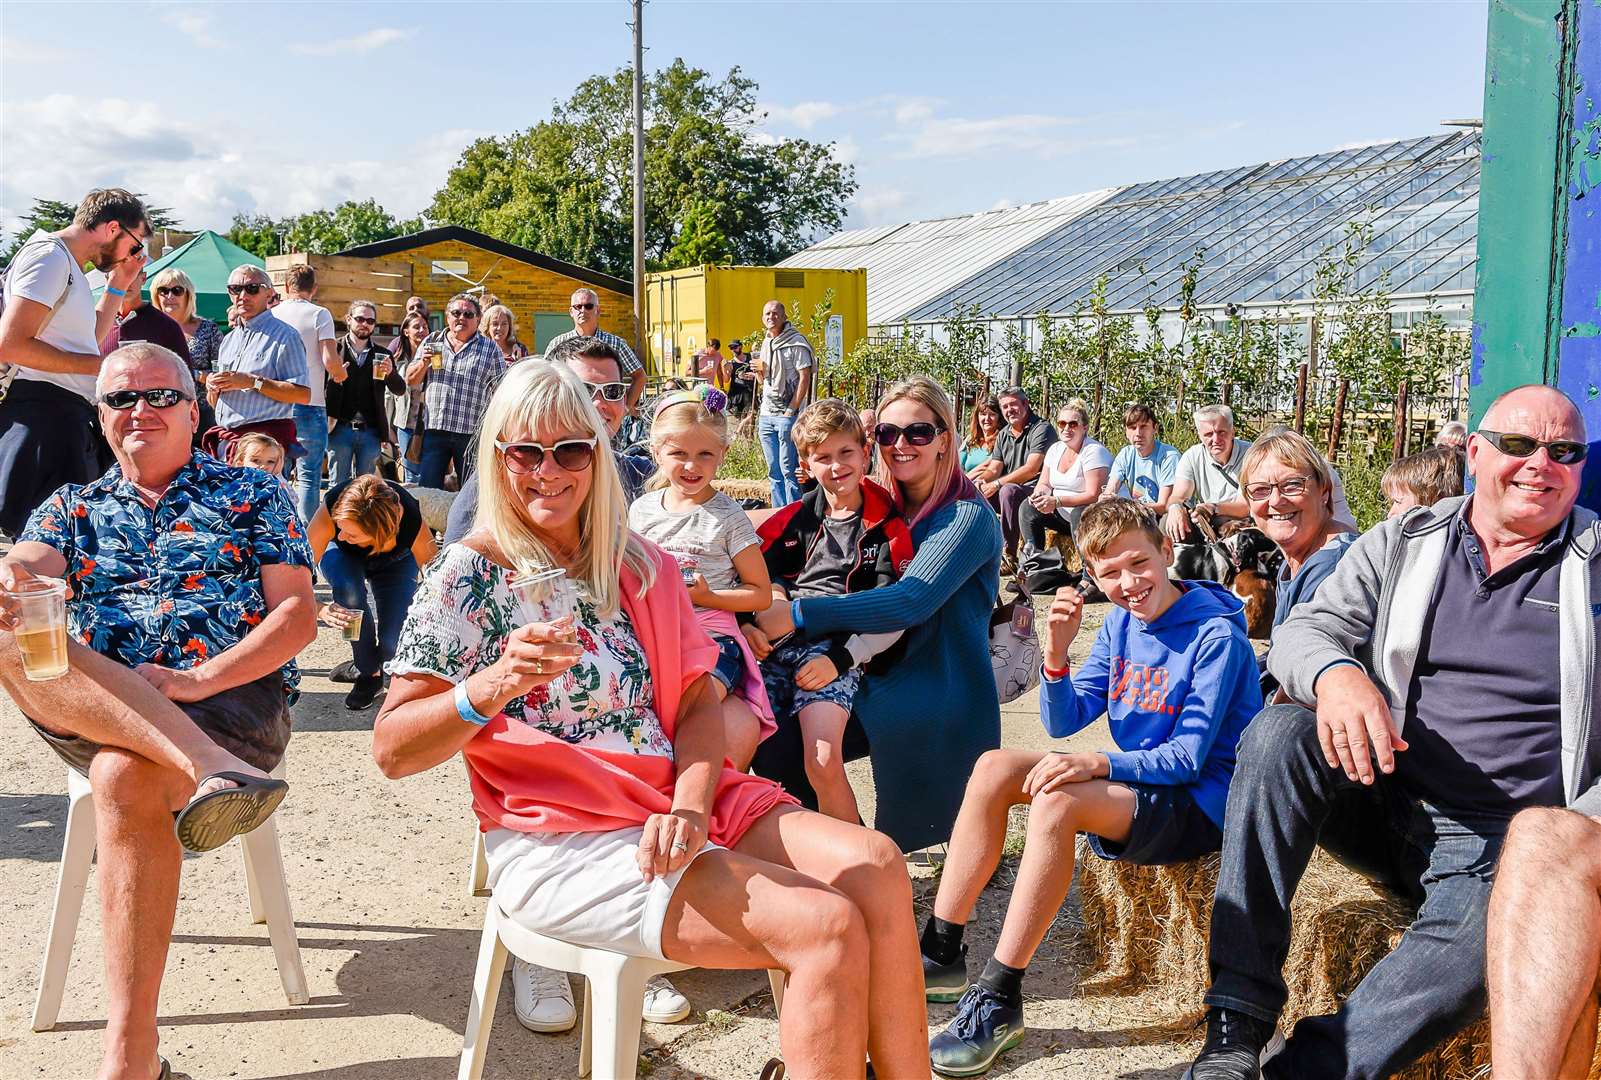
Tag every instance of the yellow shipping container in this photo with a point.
(686, 307)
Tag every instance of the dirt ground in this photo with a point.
(377, 871)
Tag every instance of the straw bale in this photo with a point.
(737, 488)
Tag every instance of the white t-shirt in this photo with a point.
(1092, 455)
(41, 272)
(315, 324)
(1213, 483)
(706, 538)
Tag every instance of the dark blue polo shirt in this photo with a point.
(1484, 718)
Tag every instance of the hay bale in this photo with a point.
(1146, 928)
(434, 504)
(737, 488)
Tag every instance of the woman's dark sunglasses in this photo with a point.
(252, 288)
(1561, 451)
(918, 434)
(574, 455)
(171, 290)
(611, 391)
(123, 400)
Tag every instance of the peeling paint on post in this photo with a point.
(1537, 308)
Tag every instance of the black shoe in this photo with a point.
(344, 673)
(946, 982)
(364, 693)
(1237, 1045)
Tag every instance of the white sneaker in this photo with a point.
(663, 1004)
(542, 998)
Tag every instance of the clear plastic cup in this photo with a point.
(41, 627)
(351, 631)
(688, 567)
(545, 594)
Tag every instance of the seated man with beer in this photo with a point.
(170, 681)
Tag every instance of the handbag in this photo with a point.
(414, 447)
(1015, 654)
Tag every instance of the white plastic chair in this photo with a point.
(264, 882)
(614, 989)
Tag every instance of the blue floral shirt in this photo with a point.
(175, 585)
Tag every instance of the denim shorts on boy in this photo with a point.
(730, 669)
(778, 674)
(1169, 827)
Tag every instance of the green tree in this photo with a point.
(256, 233)
(320, 232)
(53, 215)
(565, 186)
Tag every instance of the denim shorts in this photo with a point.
(778, 674)
(730, 669)
(1169, 827)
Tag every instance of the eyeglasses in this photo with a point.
(574, 455)
(610, 391)
(1561, 451)
(1069, 423)
(585, 307)
(171, 290)
(365, 320)
(252, 288)
(1295, 485)
(918, 434)
(138, 244)
(123, 400)
(462, 313)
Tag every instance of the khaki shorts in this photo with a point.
(250, 721)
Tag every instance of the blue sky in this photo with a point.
(943, 108)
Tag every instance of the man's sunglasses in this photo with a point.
(1561, 451)
(584, 307)
(171, 290)
(462, 313)
(574, 455)
(365, 320)
(123, 400)
(138, 244)
(611, 391)
(253, 288)
(918, 434)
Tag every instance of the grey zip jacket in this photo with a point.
(1372, 608)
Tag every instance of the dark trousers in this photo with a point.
(48, 437)
(1284, 802)
(440, 450)
(1006, 502)
(1033, 524)
(393, 585)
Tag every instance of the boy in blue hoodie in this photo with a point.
(1175, 675)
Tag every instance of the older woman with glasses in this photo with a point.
(500, 326)
(558, 653)
(174, 294)
(1074, 473)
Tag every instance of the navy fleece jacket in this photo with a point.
(1177, 693)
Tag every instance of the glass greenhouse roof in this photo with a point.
(1260, 231)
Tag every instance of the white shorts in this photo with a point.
(582, 888)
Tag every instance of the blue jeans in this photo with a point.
(1285, 801)
(311, 431)
(353, 452)
(440, 449)
(403, 437)
(392, 583)
(773, 431)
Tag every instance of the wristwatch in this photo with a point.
(258, 382)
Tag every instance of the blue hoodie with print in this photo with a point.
(1177, 693)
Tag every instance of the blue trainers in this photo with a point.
(945, 982)
(985, 1028)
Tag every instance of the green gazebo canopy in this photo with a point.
(208, 259)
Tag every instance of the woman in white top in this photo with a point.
(1071, 478)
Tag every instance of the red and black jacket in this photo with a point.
(882, 555)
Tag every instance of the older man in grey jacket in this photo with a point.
(1449, 670)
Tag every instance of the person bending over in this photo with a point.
(1175, 675)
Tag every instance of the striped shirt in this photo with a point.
(456, 396)
(627, 362)
(268, 347)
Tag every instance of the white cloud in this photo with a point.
(879, 206)
(847, 151)
(1036, 135)
(373, 39)
(61, 146)
(1003, 203)
(194, 24)
(16, 51)
(806, 115)
(913, 110)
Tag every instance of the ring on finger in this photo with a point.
(680, 846)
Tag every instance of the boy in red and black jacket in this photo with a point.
(844, 536)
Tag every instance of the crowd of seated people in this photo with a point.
(655, 736)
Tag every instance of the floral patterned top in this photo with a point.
(460, 619)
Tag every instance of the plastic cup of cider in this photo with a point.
(546, 594)
(40, 609)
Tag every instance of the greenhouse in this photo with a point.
(1275, 242)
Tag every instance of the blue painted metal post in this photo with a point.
(1537, 312)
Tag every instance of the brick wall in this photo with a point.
(523, 288)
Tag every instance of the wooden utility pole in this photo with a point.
(639, 177)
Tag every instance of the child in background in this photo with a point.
(716, 547)
(1175, 676)
(255, 450)
(843, 537)
(1422, 479)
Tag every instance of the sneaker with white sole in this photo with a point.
(542, 998)
(1237, 1046)
(663, 1003)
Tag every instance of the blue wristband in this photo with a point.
(795, 615)
(464, 707)
(116, 292)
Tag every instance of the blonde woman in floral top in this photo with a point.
(594, 748)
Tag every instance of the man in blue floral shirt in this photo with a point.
(191, 594)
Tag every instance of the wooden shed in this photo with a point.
(342, 280)
(538, 289)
